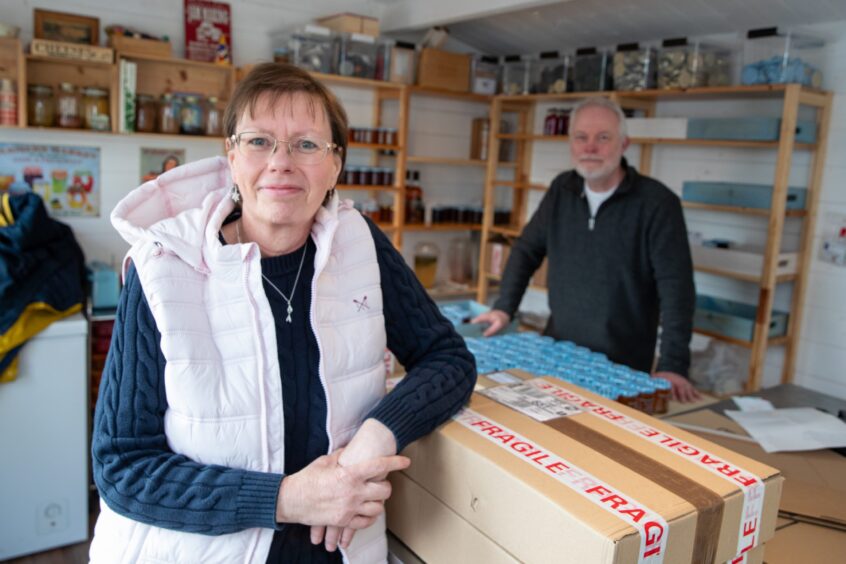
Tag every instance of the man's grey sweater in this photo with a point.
(613, 276)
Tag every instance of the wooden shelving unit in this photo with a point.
(792, 97)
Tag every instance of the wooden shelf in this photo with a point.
(68, 62)
(755, 279)
(772, 342)
(759, 90)
(441, 93)
(447, 161)
(373, 146)
(509, 231)
(497, 278)
(366, 187)
(666, 141)
(739, 210)
(442, 227)
(521, 185)
(532, 137)
(357, 82)
(449, 293)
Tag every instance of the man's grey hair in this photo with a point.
(600, 102)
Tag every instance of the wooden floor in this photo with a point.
(71, 554)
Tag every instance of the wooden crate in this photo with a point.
(444, 70)
(351, 23)
(155, 76)
(136, 46)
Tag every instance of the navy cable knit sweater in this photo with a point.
(139, 477)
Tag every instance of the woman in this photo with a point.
(242, 415)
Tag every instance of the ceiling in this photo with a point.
(490, 27)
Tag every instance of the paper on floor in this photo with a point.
(792, 429)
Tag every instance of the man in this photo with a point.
(618, 255)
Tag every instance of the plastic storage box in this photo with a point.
(774, 57)
(313, 49)
(757, 196)
(461, 312)
(684, 64)
(634, 67)
(592, 70)
(516, 75)
(549, 74)
(747, 129)
(733, 319)
(105, 286)
(357, 55)
(484, 72)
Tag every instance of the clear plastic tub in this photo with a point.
(549, 74)
(313, 49)
(771, 56)
(690, 64)
(516, 75)
(357, 55)
(484, 75)
(592, 70)
(634, 67)
(402, 67)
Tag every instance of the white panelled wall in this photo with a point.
(441, 127)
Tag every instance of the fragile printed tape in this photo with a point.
(649, 524)
(750, 485)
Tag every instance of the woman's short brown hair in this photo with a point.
(280, 79)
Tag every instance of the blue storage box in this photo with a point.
(105, 285)
(758, 196)
(733, 319)
(747, 129)
(461, 312)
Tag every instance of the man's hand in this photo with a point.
(496, 318)
(372, 440)
(683, 390)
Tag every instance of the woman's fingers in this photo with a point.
(317, 532)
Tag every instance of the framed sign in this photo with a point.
(70, 28)
(208, 31)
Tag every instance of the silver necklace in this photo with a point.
(274, 286)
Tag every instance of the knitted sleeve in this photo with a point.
(136, 473)
(441, 372)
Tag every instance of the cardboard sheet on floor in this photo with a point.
(796, 542)
(814, 486)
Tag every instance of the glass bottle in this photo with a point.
(145, 114)
(8, 102)
(40, 105)
(68, 106)
(426, 263)
(95, 109)
(168, 115)
(214, 118)
(191, 116)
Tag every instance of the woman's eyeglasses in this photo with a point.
(302, 150)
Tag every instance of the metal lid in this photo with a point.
(40, 89)
(94, 92)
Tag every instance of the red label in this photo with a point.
(208, 35)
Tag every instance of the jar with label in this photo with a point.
(40, 108)
(214, 118)
(68, 106)
(168, 115)
(8, 102)
(191, 116)
(426, 263)
(95, 109)
(145, 113)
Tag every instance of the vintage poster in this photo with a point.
(156, 161)
(67, 178)
(208, 35)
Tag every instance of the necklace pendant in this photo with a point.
(290, 311)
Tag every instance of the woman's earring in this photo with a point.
(235, 194)
(329, 195)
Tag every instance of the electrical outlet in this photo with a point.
(52, 516)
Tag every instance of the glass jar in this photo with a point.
(168, 115)
(145, 114)
(95, 109)
(40, 106)
(68, 106)
(460, 260)
(191, 116)
(426, 263)
(8, 102)
(214, 118)
(592, 70)
(634, 67)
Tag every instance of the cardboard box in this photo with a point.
(444, 70)
(351, 23)
(76, 51)
(814, 488)
(137, 46)
(598, 482)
